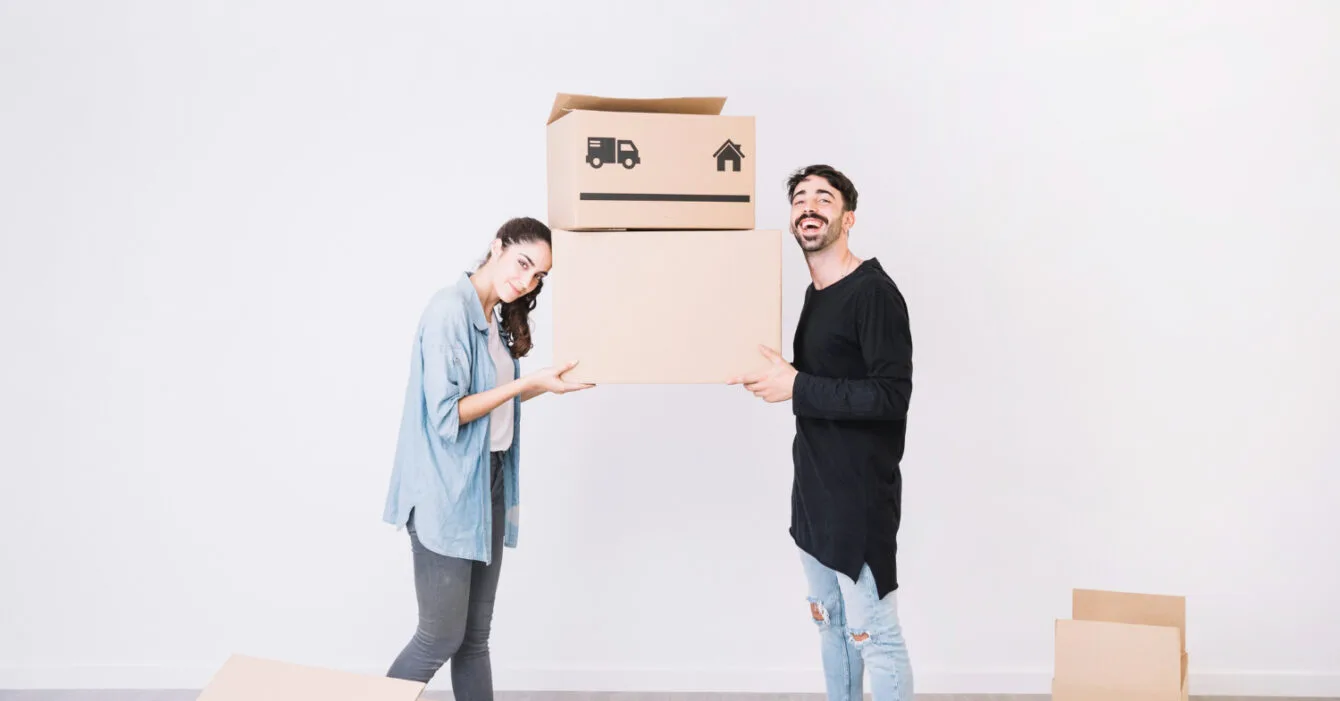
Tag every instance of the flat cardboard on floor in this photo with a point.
(665, 307)
(246, 678)
(1120, 645)
(673, 163)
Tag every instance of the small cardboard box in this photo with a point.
(672, 163)
(666, 307)
(1121, 645)
(246, 678)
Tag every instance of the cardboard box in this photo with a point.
(245, 678)
(674, 163)
(666, 307)
(1121, 645)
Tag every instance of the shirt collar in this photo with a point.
(468, 291)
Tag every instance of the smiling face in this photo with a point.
(519, 268)
(818, 215)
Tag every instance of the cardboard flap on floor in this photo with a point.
(1121, 645)
(568, 102)
(246, 678)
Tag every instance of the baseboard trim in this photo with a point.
(1209, 683)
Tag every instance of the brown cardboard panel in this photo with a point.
(1126, 607)
(568, 102)
(1186, 678)
(245, 678)
(651, 170)
(1064, 691)
(1186, 685)
(1102, 654)
(665, 307)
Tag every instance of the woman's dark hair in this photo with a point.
(515, 324)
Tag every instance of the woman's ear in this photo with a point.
(495, 248)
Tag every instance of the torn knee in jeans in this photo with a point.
(818, 612)
(860, 637)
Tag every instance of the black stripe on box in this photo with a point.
(647, 197)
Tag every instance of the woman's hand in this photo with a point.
(551, 380)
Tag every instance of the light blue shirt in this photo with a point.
(441, 468)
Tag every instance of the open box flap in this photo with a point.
(566, 102)
(1124, 607)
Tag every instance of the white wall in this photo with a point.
(1116, 225)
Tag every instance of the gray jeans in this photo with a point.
(455, 611)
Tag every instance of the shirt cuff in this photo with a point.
(800, 389)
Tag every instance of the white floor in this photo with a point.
(188, 695)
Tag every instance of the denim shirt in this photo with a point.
(441, 468)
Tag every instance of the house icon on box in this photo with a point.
(729, 153)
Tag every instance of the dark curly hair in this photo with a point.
(515, 324)
(834, 177)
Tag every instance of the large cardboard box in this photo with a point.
(673, 163)
(1121, 645)
(246, 678)
(665, 307)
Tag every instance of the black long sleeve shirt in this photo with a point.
(853, 355)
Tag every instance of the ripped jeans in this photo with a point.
(857, 632)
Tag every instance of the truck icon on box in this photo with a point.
(603, 149)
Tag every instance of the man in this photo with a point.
(849, 390)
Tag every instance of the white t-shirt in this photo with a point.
(500, 419)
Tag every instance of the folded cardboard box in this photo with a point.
(665, 307)
(1120, 645)
(673, 163)
(246, 678)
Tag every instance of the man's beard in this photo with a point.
(815, 240)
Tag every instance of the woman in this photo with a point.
(454, 480)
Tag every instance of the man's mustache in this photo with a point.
(803, 217)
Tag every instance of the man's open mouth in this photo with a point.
(809, 224)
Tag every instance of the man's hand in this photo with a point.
(771, 385)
